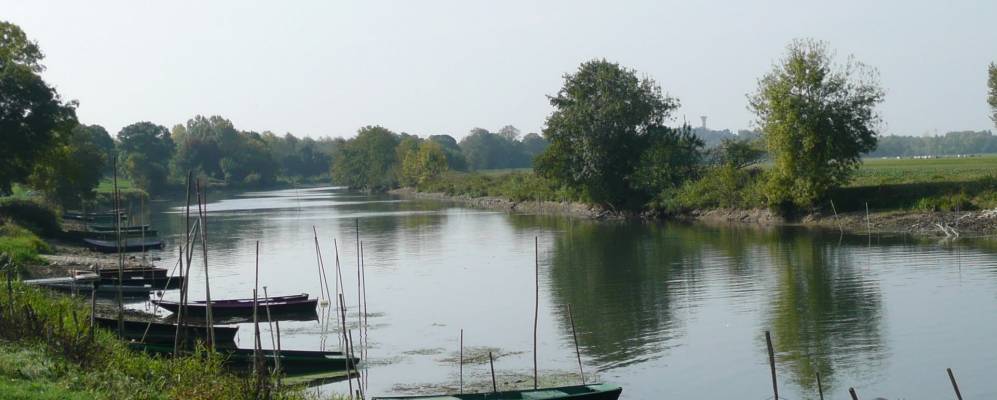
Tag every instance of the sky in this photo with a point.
(327, 68)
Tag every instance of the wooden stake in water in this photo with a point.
(820, 389)
(536, 308)
(955, 386)
(346, 342)
(775, 385)
(578, 352)
(203, 210)
(460, 368)
(491, 363)
(868, 223)
(121, 256)
(851, 391)
(323, 290)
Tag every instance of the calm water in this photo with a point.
(662, 309)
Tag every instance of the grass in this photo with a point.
(516, 186)
(46, 352)
(20, 244)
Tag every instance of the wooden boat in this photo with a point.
(129, 245)
(130, 272)
(79, 216)
(599, 391)
(162, 332)
(102, 289)
(111, 235)
(298, 304)
(111, 228)
(291, 361)
(155, 282)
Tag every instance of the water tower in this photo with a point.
(704, 121)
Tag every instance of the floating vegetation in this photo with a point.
(477, 355)
(425, 352)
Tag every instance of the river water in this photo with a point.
(663, 309)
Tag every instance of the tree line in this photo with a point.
(952, 143)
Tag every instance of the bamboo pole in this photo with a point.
(346, 342)
(121, 259)
(273, 342)
(351, 356)
(491, 363)
(536, 308)
(460, 358)
(820, 389)
(202, 209)
(955, 386)
(256, 337)
(184, 286)
(775, 385)
(323, 291)
(578, 352)
(365, 327)
(851, 391)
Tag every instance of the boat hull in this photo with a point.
(581, 392)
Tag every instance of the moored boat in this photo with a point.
(128, 245)
(291, 361)
(162, 332)
(275, 306)
(599, 391)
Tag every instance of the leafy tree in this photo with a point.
(455, 158)
(69, 172)
(426, 162)
(367, 161)
(738, 153)
(509, 132)
(145, 151)
(32, 115)
(672, 156)
(992, 99)
(533, 145)
(602, 118)
(487, 150)
(817, 118)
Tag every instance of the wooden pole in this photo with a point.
(93, 306)
(955, 386)
(491, 363)
(460, 368)
(868, 223)
(536, 307)
(121, 259)
(277, 324)
(179, 339)
(256, 337)
(578, 352)
(176, 336)
(352, 355)
(364, 327)
(346, 342)
(324, 296)
(820, 389)
(775, 385)
(851, 391)
(203, 210)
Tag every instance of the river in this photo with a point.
(663, 309)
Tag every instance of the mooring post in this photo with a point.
(460, 362)
(578, 352)
(955, 386)
(851, 391)
(536, 307)
(491, 363)
(820, 390)
(775, 385)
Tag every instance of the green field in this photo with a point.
(893, 171)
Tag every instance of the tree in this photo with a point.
(425, 163)
(455, 158)
(486, 150)
(992, 99)
(737, 153)
(672, 156)
(601, 120)
(32, 115)
(145, 151)
(98, 137)
(817, 119)
(367, 161)
(509, 132)
(69, 172)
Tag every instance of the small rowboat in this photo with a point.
(165, 332)
(110, 235)
(599, 391)
(278, 306)
(291, 361)
(112, 229)
(129, 245)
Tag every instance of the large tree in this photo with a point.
(818, 118)
(33, 118)
(992, 98)
(367, 161)
(145, 150)
(68, 172)
(600, 125)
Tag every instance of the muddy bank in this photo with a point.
(66, 257)
(919, 223)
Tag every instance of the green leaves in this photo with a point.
(992, 98)
(817, 119)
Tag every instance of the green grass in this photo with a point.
(513, 184)
(22, 245)
(905, 171)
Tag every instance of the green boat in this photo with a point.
(598, 391)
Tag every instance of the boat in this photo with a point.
(110, 235)
(128, 245)
(163, 332)
(155, 282)
(291, 361)
(130, 272)
(278, 307)
(598, 391)
(101, 289)
(79, 216)
(112, 229)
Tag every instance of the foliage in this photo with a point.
(31, 214)
(601, 123)
(737, 153)
(455, 158)
(515, 186)
(817, 119)
(68, 174)
(952, 143)
(425, 162)
(367, 161)
(145, 151)
(672, 156)
(721, 186)
(32, 115)
(20, 244)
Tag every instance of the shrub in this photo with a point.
(37, 217)
(20, 244)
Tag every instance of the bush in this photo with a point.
(20, 244)
(722, 186)
(37, 217)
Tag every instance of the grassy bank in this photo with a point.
(945, 184)
(46, 351)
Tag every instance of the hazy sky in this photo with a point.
(428, 67)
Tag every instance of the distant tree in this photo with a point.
(455, 158)
(600, 125)
(33, 118)
(533, 145)
(97, 136)
(486, 150)
(426, 162)
(367, 161)
(509, 132)
(145, 150)
(992, 98)
(738, 153)
(817, 118)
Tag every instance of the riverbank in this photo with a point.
(919, 223)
